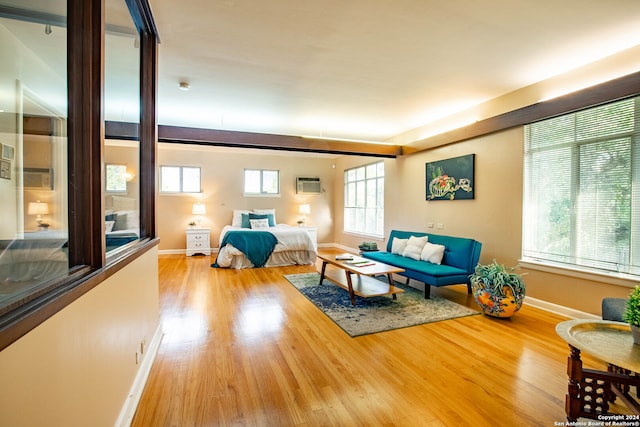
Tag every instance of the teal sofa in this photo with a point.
(461, 256)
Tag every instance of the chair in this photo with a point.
(613, 309)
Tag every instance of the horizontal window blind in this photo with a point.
(582, 189)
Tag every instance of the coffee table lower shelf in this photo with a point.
(362, 286)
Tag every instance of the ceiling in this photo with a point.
(358, 69)
(368, 70)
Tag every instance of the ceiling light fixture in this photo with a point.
(184, 86)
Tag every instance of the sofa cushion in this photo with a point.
(436, 270)
(414, 247)
(398, 245)
(432, 253)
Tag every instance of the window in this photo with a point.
(179, 179)
(261, 182)
(582, 189)
(52, 221)
(364, 199)
(116, 178)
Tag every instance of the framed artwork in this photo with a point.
(5, 170)
(8, 152)
(451, 179)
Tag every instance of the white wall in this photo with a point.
(78, 367)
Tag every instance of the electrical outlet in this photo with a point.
(440, 225)
(430, 225)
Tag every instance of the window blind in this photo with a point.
(582, 188)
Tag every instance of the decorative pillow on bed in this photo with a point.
(259, 223)
(432, 253)
(246, 219)
(236, 221)
(120, 222)
(414, 247)
(271, 212)
(108, 226)
(398, 245)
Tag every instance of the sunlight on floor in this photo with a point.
(258, 319)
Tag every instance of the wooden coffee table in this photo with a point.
(357, 279)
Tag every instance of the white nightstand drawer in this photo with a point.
(198, 241)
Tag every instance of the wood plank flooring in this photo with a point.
(245, 348)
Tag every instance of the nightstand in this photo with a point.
(198, 241)
(313, 233)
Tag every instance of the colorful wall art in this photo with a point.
(451, 179)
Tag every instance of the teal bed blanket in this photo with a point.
(256, 245)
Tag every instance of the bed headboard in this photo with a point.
(121, 203)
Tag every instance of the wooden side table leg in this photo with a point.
(324, 268)
(573, 401)
(351, 294)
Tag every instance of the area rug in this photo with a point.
(377, 314)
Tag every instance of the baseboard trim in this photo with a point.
(133, 398)
(559, 309)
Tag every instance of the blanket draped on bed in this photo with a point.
(256, 245)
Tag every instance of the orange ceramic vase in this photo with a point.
(505, 305)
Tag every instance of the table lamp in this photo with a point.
(38, 208)
(304, 209)
(198, 209)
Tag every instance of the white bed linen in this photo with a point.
(294, 247)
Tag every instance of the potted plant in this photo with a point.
(497, 289)
(631, 313)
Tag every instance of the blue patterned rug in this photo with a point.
(377, 314)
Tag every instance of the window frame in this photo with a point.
(181, 178)
(85, 23)
(379, 204)
(574, 261)
(109, 167)
(261, 193)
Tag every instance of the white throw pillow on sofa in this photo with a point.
(398, 245)
(414, 247)
(432, 253)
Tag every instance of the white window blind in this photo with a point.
(582, 189)
(364, 199)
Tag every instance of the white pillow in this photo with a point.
(432, 253)
(398, 245)
(259, 223)
(108, 226)
(414, 247)
(266, 212)
(236, 221)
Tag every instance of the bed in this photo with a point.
(122, 222)
(263, 243)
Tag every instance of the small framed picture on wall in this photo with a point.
(8, 152)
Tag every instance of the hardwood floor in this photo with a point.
(245, 348)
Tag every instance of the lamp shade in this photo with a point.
(198, 209)
(304, 208)
(38, 208)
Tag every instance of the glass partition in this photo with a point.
(33, 134)
(122, 104)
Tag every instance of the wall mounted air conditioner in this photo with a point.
(308, 185)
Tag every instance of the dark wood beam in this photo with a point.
(622, 87)
(225, 138)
